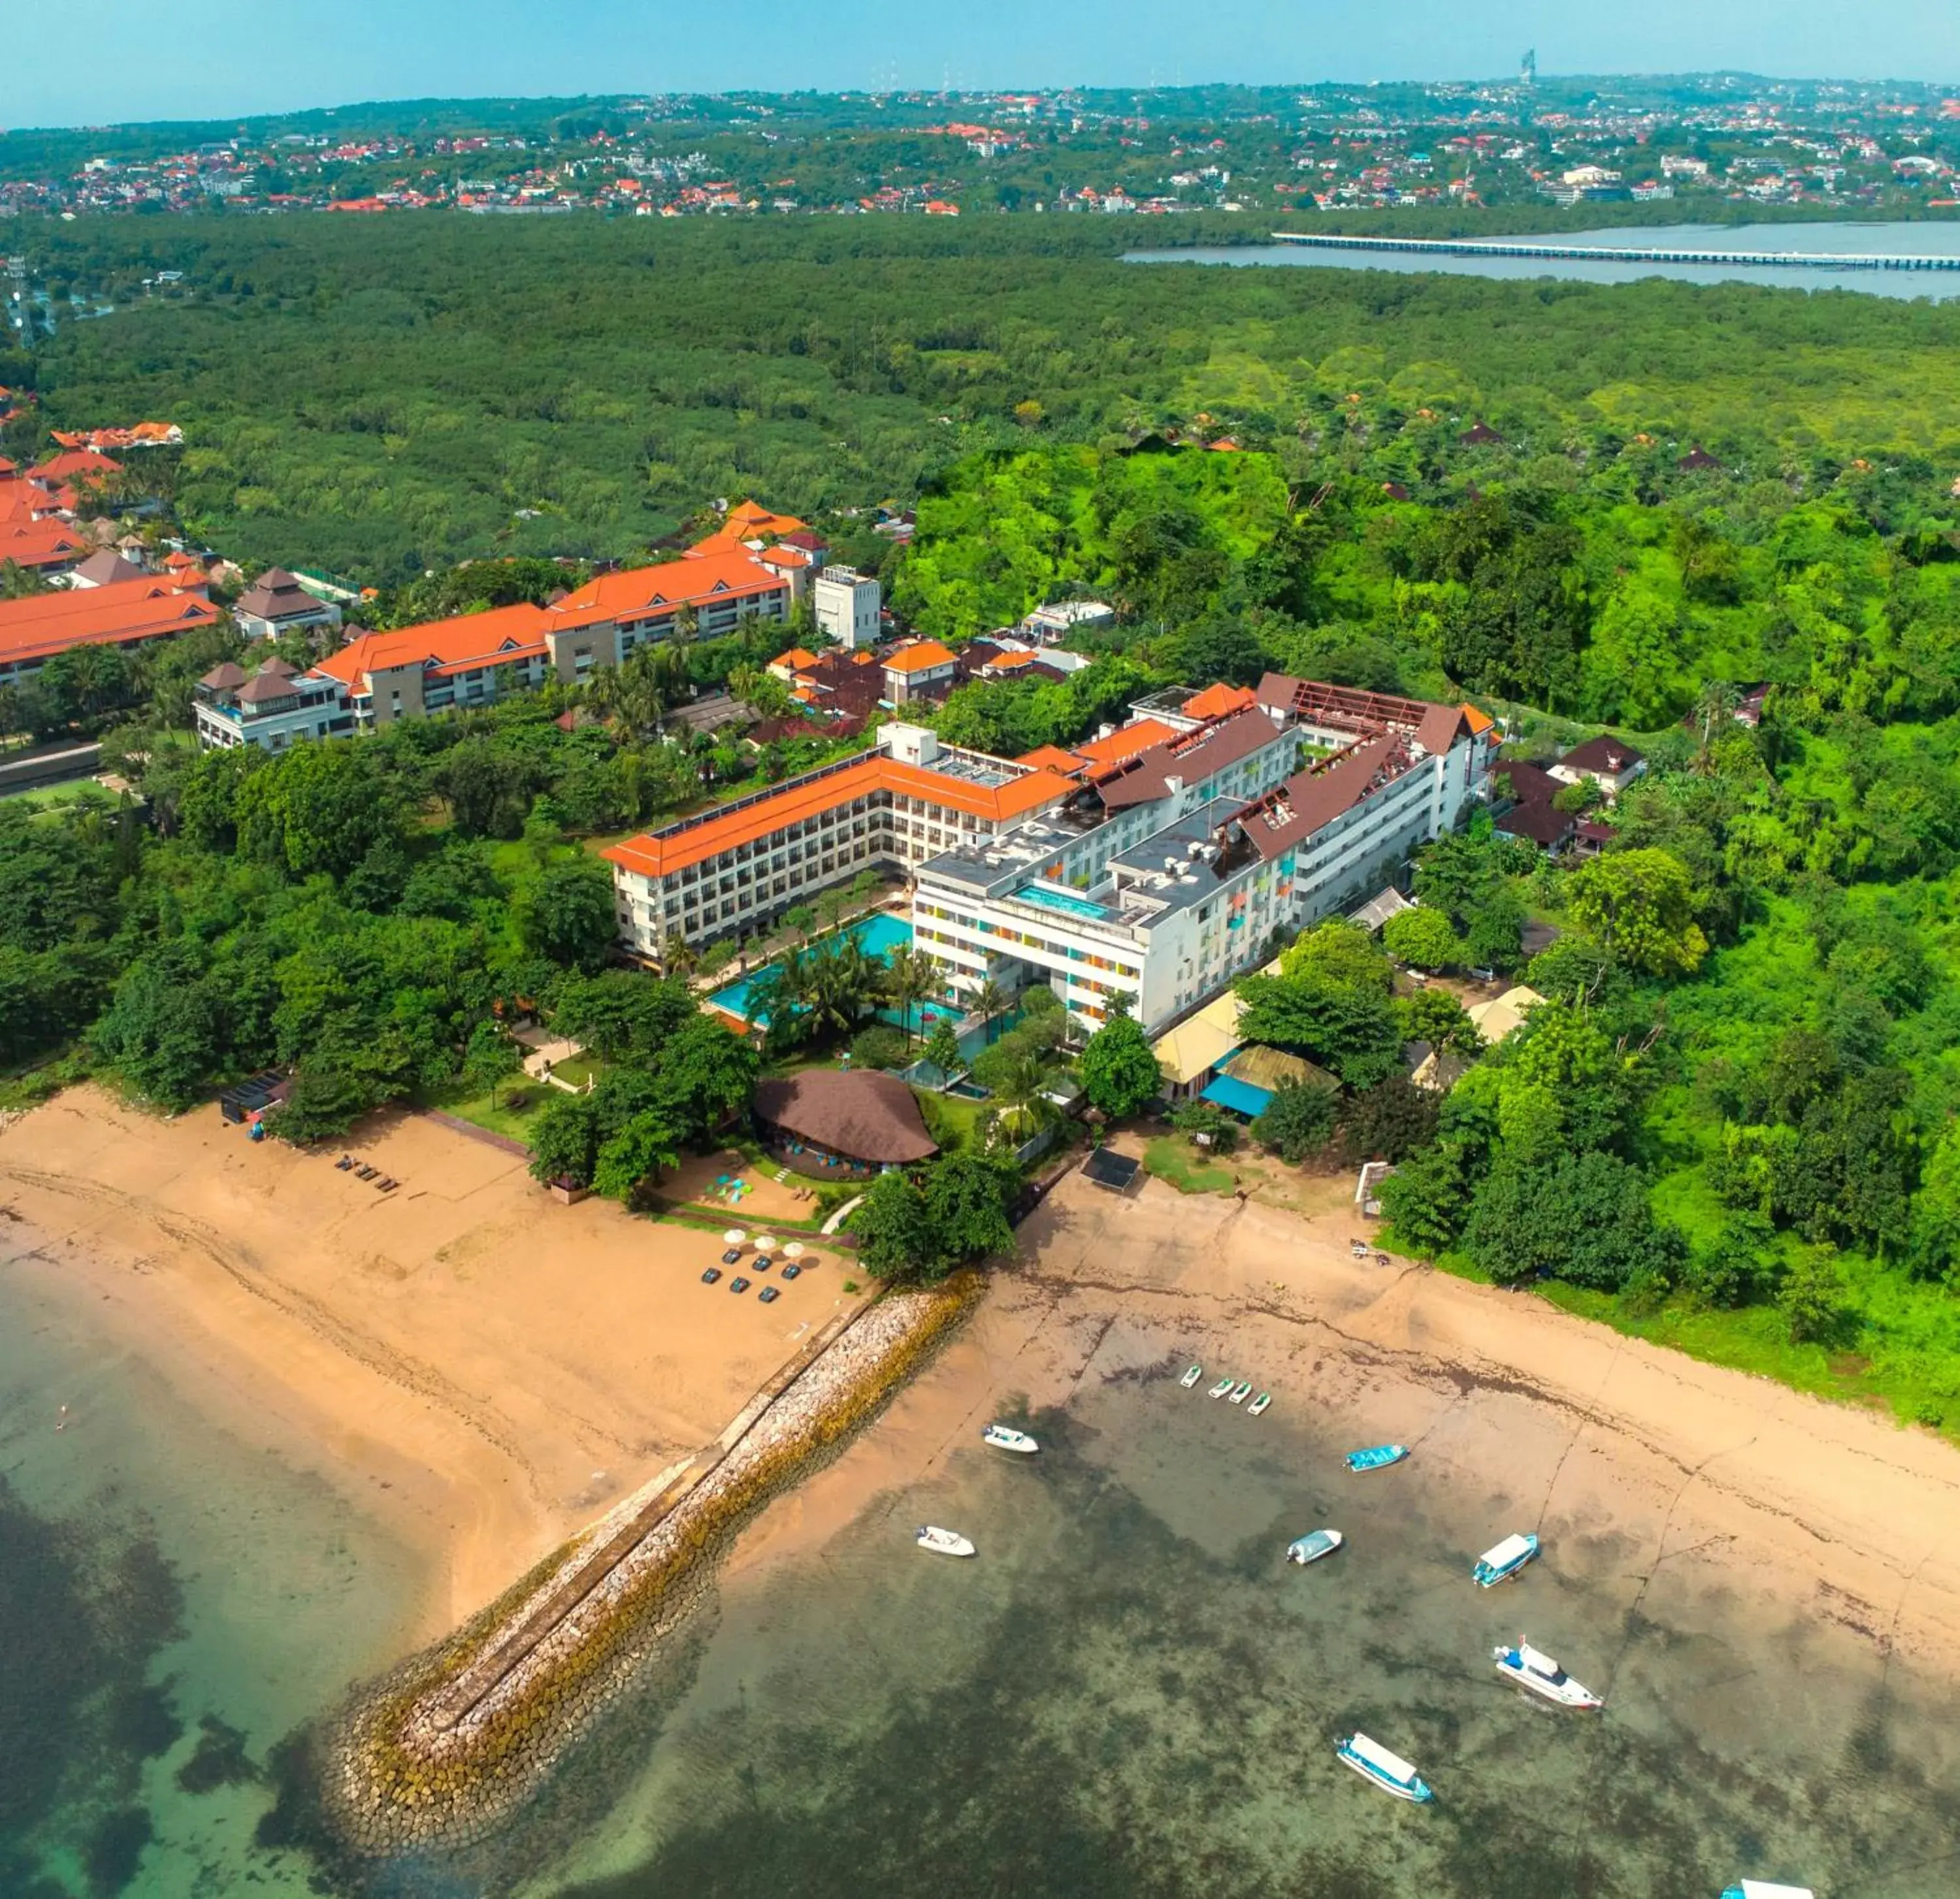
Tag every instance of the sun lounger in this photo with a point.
(366, 1173)
(384, 1185)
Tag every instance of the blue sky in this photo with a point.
(217, 58)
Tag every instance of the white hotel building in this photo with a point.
(1155, 861)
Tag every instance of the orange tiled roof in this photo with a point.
(503, 635)
(43, 624)
(796, 659)
(1051, 758)
(1127, 742)
(1479, 722)
(27, 499)
(652, 856)
(691, 580)
(781, 556)
(39, 543)
(1009, 662)
(921, 656)
(86, 462)
(1220, 702)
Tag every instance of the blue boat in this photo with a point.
(1501, 1564)
(1377, 1457)
(1389, 1772)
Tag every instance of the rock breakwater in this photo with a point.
(442, 1752)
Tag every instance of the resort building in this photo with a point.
(1156, 862)
(475, 658)
(847, 604)
(744, 863)
(275, 603)
(841, 1125)
(276, 706)
(128, 613)
(446, 664)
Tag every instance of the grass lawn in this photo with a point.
(512, 1116)
(1173, 1159)
(953, 1115)
(76, 791)
(578, 1069)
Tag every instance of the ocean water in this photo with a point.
(1927, 238)
(1129, 1692)
(173, 1602)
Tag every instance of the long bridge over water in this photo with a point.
(1599, 253)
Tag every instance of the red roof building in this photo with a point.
(127, 614)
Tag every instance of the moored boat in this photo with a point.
(1004, 1438)
(945, 1542)
(1191, 1377)
(1389, 1772)
(1503, 1560)
(1377, 1457)
(1531, 1669)
(1219, 1390)
(1258, 1406)
(1765, 1889)
(1313, 1545)
(1239, 1392)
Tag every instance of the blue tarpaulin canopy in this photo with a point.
(1239, 1098)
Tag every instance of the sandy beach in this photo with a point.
(487, 1369)
(1637, 1463)
(480, 1367)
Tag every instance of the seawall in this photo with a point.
(446, 1748)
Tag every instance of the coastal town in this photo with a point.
(1248, 151)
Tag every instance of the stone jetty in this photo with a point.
(443, 1751)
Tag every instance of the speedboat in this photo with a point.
(1002, 1438)
(1313, 1545)
(1191, 1377)
(945, 1542)
(1219, 1390)
(1765, 1889)
(1239, 1393)
(1377, 1457)
(1258, 1406)
(1501, 1562)
(1529, 1669)
(1389, 1772)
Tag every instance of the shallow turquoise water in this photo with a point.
(172, 1603)
(1129, 1692)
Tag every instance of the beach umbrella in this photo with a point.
(764, 1244)
(733, 1237)
(794, 1250)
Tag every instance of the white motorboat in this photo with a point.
(1500, 1563)
(1530, 1668)
(1259, 1406)
(1002, 1437)
(1389, 1772)
(1219, 1390)
(1313, 1545)
(1766, 1889)
(1191, 1377)
(945, 1542)
(1239, 1393)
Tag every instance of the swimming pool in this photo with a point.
(1057, 900)
(879, 935)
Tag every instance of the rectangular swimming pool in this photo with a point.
(1068, 906)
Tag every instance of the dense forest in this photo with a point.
(386, 398)
(1730, 1124)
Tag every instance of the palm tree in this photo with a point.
(910, 976)
(678, 957)
(989, 999)
(1017, 1085)
(1716, 708)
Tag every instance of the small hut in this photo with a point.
(830, 1123)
